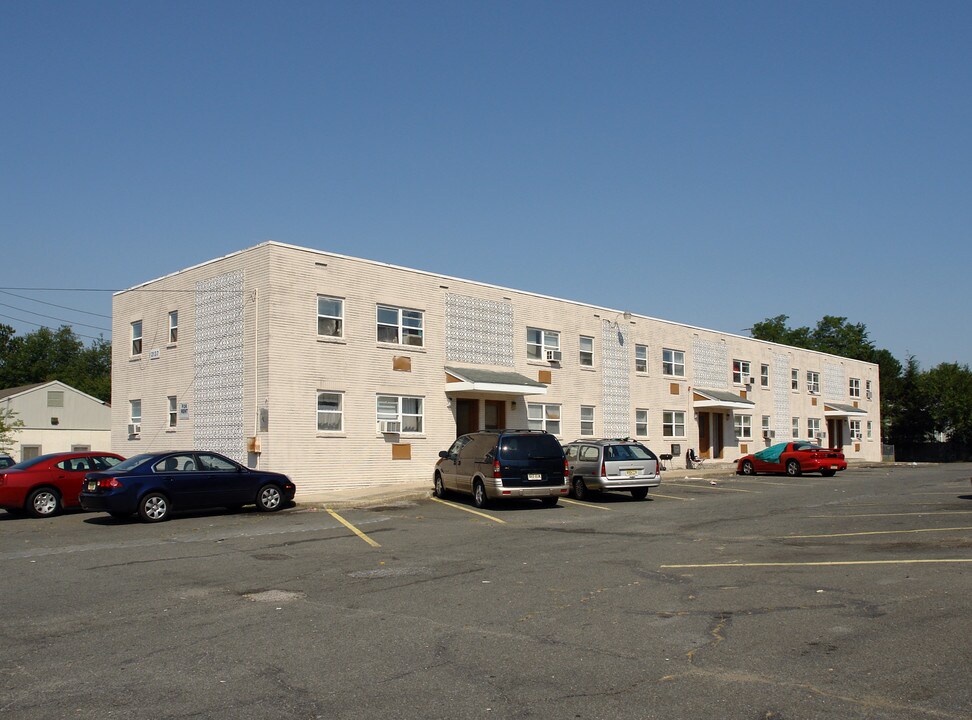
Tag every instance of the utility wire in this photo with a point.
(63, 307)
(28, 322)
(51, 317)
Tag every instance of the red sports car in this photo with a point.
(45, 485)
(792, 458)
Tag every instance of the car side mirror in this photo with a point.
(444, 454)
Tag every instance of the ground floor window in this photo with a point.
(641, 423)
(330, 411)
(855, 429)
(587, 420)
(743, 425)
(870, 430)
(407, 411)
(544, 417)
(673, 423)
(813, 429)
(796, 428)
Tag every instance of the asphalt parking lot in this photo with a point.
(769, 597)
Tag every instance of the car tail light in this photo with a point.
(603, 469)
(496, 469)
(657, 467)
(109, 483)
(566, 469)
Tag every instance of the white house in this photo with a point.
(56, 418)
(343, 372)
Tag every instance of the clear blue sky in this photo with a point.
(711, 163)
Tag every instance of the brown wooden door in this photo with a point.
(705, 442)
(467, 416)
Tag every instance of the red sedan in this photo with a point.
(792, 458)
(45, 485)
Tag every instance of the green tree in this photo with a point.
(948, 388)
(46, 354)
(910, 420)
(10, 424)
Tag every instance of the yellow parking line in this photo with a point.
(711, 487)
(352, 528)
(470, 510)
(875, 532)
(669, 497)
(584, 504)
(943, 512)
(819, 564)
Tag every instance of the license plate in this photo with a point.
(833, 467)
(631, 473)
(92, 485)
(534, 476)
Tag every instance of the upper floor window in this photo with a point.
(55, 398)
(586, 351)
(330, 411)
(173, 326)
(743, 425)
(764, 375)
(137, 337)
(673, 423)
(544, 417)
(587, 420)
(409, 411)
(813, 381)
(740, 372)
(540, 342)
(854, 389)
(641, 422)
(794, 379)
(867, 388)
(400, 326)
(641, 358)
(673, 362)
(330, 317)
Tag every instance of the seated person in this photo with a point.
(692, 460)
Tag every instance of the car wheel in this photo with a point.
(479, 495)
(154, 507)
(580, 489)
(549, 501)
(43, 502)
(639, 493)
(439, 490)
(269, 499)
(828, 473)
(792, 468)
(748, 468)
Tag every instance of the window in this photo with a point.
(743, 425)
(796, 428)
(740, 372)
(673, 362)
(587, 420)
(137, 337)
(855, 429)
(766, 427)
(135, 411)
(641, 358)
(854, 389)
(330, 317)
(764, 375)
(813, 381)
(543, 417)
(870, 430)
(173, 327)
(867, 388)
(539, 341)
(586, 351)
(641, 423)
(173, 411)
(406, 410)
(330, 412)
(400, 326)
(673, 423)
(55, 398)
(813, 428)
(794, 379)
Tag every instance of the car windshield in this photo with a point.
(132, 462)
(628, 452)
(806, 446)
(530, 447)
(24, 464)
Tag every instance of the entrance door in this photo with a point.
(495, 414)
(705, 442)
(467, 416)
(835, 431)
(717, 435)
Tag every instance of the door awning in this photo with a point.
(836, 410)
(491, 382)
(719, 400)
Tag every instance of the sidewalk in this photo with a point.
(409, 492)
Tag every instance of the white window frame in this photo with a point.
(854, 388)
(338, 319)
(740, 372)
(795, 379)
(870, 430)
(408, 326)
(766, 426)
(413, 423)
(173, 411)
(539, 340)
(795, 424)
(587, 420)
(135, 411)
(743, 426)
(136, 346)
(764, 377)
(641, 422)
(813, 382)
(173, 327)
(673, 363)
(586, 355)
(641, 358)
(330, 411)
(813, 429)
(544, 416)
(855, 429)
(672, 422)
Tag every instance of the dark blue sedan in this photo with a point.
(156, 484)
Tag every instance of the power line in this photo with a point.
(28, 322)
(51, 317)
(63, 307)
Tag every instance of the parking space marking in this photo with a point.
(938, 512)
(712, 487)
(470, 510)
(586, 504)
(670, 497)
(830, 563)
(875, 532)
(762, 482)
(352, 528)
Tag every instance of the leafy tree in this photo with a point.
(46, 354)
(910, 419)
(948, 387)
(837, 336)
(10, 424)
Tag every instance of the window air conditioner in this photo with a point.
(389, 426)
(769, 434)
(553, 356)
(134, 428)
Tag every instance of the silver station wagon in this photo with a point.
(597, 465)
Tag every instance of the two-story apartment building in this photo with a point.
(344, 372)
